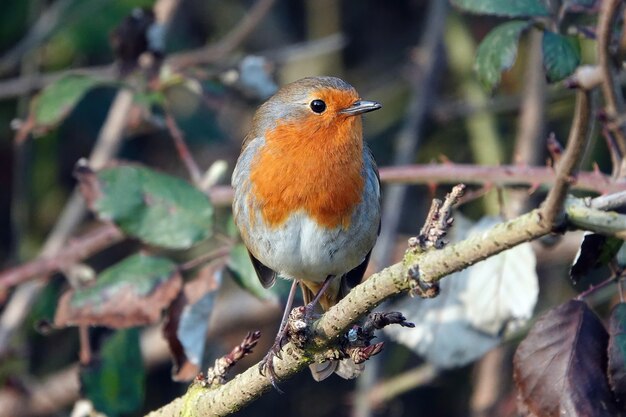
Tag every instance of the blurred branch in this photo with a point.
(567, 168)
(231, 41)
(14, 87)
(503, 175)
(406, 381)
(107, 145)
(423, 77)
(483, 137)
(614, 102)
(183, 150)
(78, 249)
(531, 121)
(39, 32)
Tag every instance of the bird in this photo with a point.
(307, 199)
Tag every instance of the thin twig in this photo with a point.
(207, 257)
(84, 354)
(231, 41)
(499, 176)
(183, 150)
(567, 169)
(78, 249)
(41, 30)
(614, 102)
(406, 381)
(609, 202)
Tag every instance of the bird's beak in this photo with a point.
(360, 107)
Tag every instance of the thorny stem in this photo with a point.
(597, 287)
(503, 175)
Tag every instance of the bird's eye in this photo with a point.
(318, 106)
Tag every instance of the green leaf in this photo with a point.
(497, 52)
(57, 100)
(617, 352)
(130, 293)
(561, 55)
(596, 250)
(240, 266)
(115, 382)
(148, 99)
(156, 208)
(510, 8)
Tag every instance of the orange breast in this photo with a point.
(310, 166)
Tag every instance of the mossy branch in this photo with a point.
(426, 266)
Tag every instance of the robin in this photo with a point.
(307, 198)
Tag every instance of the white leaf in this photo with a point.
(501, 290)
(442, 334)
(194, 319)
(467, 318)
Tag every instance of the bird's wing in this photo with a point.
(354, 277)
(266, 275)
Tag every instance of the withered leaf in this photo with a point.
(617, 353)
(130, 293)
(559, 368)
(187, 320)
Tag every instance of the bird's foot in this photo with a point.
(266, 367)
(299, 328)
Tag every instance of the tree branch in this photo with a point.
(433, 265)
(614, 102)
(77, 250)
(183, 150)
(552, 209)
(501, 176)
(232, 40)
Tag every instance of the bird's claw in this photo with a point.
(297, 331)
(266, 367)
